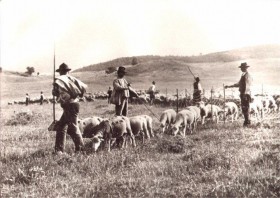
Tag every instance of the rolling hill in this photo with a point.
(256, 52)
(170, 73)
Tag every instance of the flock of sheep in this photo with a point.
(115, 131)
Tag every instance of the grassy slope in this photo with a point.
(223, 160)
(168, 74)
(254, 52)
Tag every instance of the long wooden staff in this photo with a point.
(54, 85)
(191, 71)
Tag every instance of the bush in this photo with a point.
(171, 144)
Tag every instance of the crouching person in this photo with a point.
(67, 88)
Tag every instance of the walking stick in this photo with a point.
(224, 103)
(52, 126)
(53, 84)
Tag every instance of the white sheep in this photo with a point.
(139, 127)
(87, 125)
(256, 108)
(184, 118)
(149, 123)
(231, 109)
(197, 115)
(210, 111)
(116, 128)
(167, 118)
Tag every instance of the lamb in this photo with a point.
(167, 118)
(115, 128)
(206, 112)
(88, 125)
(186, 118)
(231, 109)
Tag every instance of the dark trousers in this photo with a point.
(68, 123)
(109, 97)
(26, 102)
(152, 97)
(245, 105)
(121, 110)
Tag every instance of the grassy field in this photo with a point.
(223, 160)
(219, 160)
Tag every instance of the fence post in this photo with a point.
(212, 91)
(177, 100)
(224, 103)
(166, 92)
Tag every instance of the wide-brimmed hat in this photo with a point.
(121, 69)
(244, 65)
(63, 67)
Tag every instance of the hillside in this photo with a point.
(256, 52)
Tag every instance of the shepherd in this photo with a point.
(121, 92)
(197, 91)
(244, 85)
(152, 90)
(42, 98)
(68, 88)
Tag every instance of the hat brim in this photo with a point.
(59, 70)
(121, 72)
(244, 66)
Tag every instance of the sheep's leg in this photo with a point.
(122, 139)
(146, 132)
(191, 128)
(163, 129)
(203, 120)
(150, 128)
(143, 137)
(109, 145)
(185, 127)
(195, 125)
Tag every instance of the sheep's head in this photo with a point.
(102, 128)
(96, 142)
(174, 130)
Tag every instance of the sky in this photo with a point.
(86, 32)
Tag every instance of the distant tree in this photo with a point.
(110, 70)
(30, 70)
(38, 73)
(134, 61)
(0, 69)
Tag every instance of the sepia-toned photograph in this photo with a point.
(139, 98)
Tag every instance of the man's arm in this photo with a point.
(230, 86)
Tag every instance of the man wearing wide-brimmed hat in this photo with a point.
(244, 85)
(120, 93)
(67, 88)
